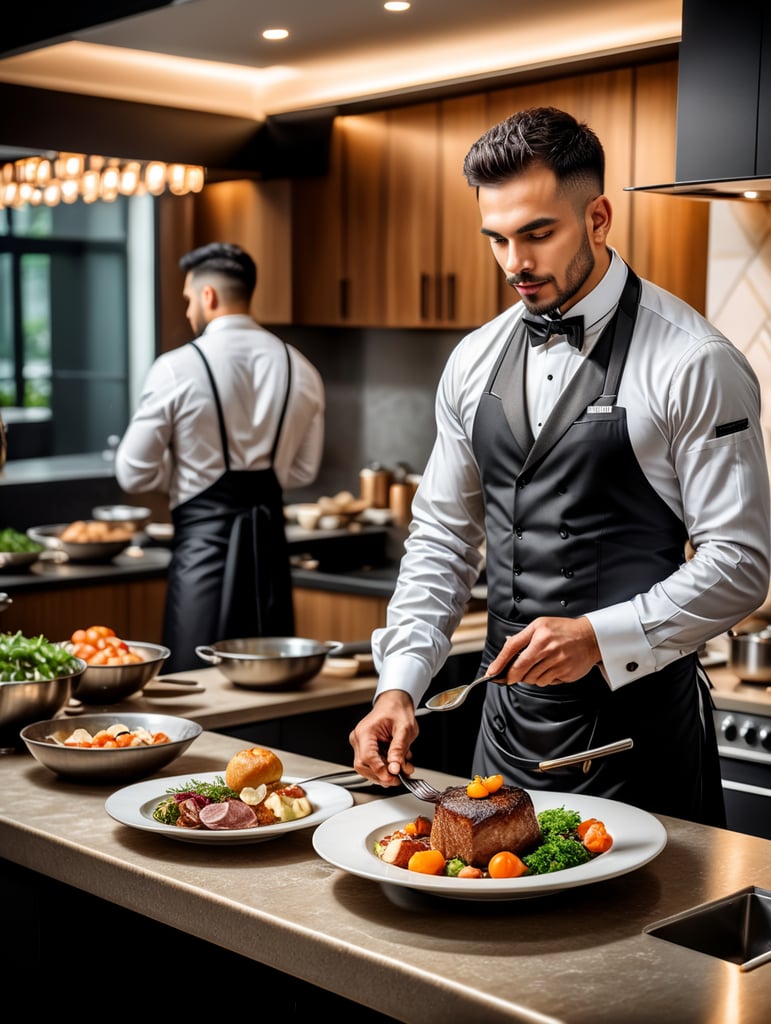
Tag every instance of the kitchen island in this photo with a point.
(576, 957)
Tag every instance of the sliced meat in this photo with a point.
(228, 814)
(189, 813)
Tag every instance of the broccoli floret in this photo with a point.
(452, 867)
(556, 854)
(558, 822)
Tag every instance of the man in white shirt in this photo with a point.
(587, 455)
(224, 425)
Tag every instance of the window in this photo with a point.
(65, 336)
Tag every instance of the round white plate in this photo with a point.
(134, 806)
(348, 840)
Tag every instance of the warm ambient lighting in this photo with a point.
(751, 195)
(392, 5)
(67, 177)
(275, 33)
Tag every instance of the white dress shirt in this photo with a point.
(681, 380)
(173, 444)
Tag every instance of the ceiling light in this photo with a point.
(275, 33)
(66, 177)
(392, 5)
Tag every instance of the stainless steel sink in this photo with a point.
(736, 928)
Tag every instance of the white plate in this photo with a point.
(134, 806)
(347, 842)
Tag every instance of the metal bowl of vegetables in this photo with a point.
(108, 684)
(17, 550)
(37, 679)
(107, 748)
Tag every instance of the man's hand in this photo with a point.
(382, 740)
(549, 651)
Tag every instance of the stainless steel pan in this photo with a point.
(271, 662)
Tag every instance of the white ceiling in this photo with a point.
(209, 55)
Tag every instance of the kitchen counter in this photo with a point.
(575, 957)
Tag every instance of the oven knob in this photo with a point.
(765, 739)
(728, 728)
(749, 733)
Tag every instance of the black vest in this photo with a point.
(573, 525)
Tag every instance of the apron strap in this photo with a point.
(220, 417)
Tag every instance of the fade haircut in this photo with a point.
(540, 136)
(230, 263)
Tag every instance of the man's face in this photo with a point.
(194, 310)
(550, 245)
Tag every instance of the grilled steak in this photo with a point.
(475, 828)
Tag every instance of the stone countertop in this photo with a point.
(575, 957)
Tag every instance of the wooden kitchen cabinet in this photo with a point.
(133, 608)
(324, 615)
(671, 235)
(338, 228)
(439, 271)
(256, 216)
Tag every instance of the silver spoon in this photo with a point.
(448, 700)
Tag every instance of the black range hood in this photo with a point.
(723, 103)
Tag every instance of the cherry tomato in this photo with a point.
(584, 826)
(597, 839)
(476, 788)
(506, 865)
(427, 862)
(492, 783)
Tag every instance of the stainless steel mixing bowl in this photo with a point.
(108, 684)
(99, 765)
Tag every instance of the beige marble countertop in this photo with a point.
(577, 957)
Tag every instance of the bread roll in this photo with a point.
(253, 767)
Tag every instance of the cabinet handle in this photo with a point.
(451, 296)
(345, 288)
(425, 288)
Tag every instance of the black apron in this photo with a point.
(229, 575)
(576, 526)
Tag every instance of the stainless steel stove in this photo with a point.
(744, 743)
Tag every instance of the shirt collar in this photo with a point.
(239, 321)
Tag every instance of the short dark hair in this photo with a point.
(538, 136)
(227, 260)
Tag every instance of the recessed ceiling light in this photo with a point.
(392, 5)
(275, 33)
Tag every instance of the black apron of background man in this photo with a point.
(576, 526)
(229, 575)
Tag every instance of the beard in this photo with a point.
(576, 273)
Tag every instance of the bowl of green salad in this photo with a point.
(17, 550)
(37, 678)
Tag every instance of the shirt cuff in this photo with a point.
(626, 653)
(401, 672)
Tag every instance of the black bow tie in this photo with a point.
(539, 331)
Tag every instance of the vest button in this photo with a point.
(564, 604)
(517, 570)
(564, 532)
(520, 484)
(631, 666)
(518, 598)
(518, 532)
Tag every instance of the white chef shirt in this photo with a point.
(682, 379)
(173, 443)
